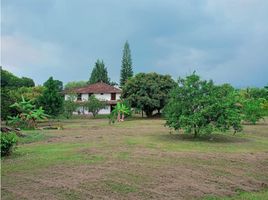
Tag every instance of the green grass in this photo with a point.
(33, 136)
(262, 195)
(132, 158)
(120, 187)
(38, 156)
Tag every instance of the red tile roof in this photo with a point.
(95, 88)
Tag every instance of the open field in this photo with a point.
(136, 159)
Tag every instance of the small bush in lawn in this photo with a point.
(8, 143)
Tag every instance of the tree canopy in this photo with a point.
(75, 84)
(200, 107)
(99, 73)
(148, 92)
(10, 80)
(10, 85)
(126, 67)
(51, 99)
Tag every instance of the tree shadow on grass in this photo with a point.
(212, 138)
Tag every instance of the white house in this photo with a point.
(102, 91)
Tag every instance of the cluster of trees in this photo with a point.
(11, 87)
(195, 105)
(99, 72)
(48, 96)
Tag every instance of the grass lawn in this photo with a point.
(136, 159)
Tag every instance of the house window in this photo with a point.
(79, 97)
(101, 93)
(113, 96)
(90, 94)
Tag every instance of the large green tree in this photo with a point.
(126, 67)
(51, 99)
(99, 73)
(200, 107)
(148, 92)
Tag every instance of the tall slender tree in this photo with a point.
(126, 67)
(99, 73)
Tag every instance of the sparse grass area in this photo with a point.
(262, 195)
(136, 159)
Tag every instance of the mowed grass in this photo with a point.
(136, 159)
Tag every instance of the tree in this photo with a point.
(51, 99)
(75, 84)
(99, 73)
(253, 110)
(94, 105)
(70, 105)
(199, 107)
(126, 67)
(148, 92)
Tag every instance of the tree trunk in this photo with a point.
(118, 116)
(123, 116)
(142, 113)
(195, 133)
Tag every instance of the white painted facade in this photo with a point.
(99, 96)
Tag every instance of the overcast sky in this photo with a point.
(223, 40)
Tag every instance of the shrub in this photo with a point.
(8, 143)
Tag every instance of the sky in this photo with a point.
(223, 40)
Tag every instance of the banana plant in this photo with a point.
(120, 111)
(28, 115)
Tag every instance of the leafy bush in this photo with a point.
(70, 106)
(8, 143)
(94, 105)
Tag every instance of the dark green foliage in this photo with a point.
(10, 84)
(94, 105)
(27, 82)
(99, 73)
(52, 99)
(6, 101)
(126, 67)
(10, 80)
(148, 92)
(8, 143)
(75, 84)
(200, 107)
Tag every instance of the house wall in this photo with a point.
(106, 110)
(102, 97)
